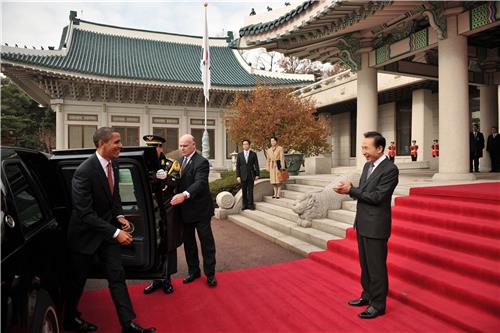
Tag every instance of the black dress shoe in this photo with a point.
(134, 328)
(371, 313)
(154, 285)
(167, 287)
(251, 207)
(191, 277)
(212, 281)
(77, 324)
(358, 302)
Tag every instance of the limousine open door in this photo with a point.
(136, 167)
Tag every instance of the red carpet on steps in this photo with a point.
(444, 276)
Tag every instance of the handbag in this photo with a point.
(283, 175)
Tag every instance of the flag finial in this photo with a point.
(205, 4)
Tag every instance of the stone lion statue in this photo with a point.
(317, 204)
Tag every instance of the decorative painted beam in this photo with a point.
(479, 18)
(416, 42)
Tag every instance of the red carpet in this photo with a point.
(444, 266)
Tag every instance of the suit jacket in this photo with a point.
(476, 145)
(373, 215)
(493, 146)
(95, 209)
(194, 179)
(247, 170)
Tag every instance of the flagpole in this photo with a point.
(206, 86)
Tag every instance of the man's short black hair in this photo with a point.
(243, 141)
(104, 134)
(495, 127)
(378, 139)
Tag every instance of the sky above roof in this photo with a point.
(38, 23)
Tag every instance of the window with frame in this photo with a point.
(28, 208)
(80, 136)
(403, 128)
(171, 136)
(198, 137)
(129, 135)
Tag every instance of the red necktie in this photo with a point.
(110, 177)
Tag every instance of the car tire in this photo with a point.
(45, 317)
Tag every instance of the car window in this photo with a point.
(28, 208)
(126, 184)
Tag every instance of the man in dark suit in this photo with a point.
(493, 148)
(373, 223)
(196, 210)
(247, 171)
(476, 147)
(98, 227)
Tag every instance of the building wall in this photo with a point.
(144, 116)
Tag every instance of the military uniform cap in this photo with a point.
(153, 140)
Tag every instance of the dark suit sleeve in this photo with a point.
(83, 205)
(238, 164)
(200, 178)
(256, 165)
(382, 192)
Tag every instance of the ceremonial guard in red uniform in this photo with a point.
(414, 150)
(435, 148)
(392, 151)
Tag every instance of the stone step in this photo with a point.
(277, 237)
(276, 210)
(311, 235)
(332, 227)
(282, 202)
(303, 188)
(292, 195)
(349, 205)
(313, 182)
(342, 215)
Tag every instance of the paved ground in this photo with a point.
(236, 248)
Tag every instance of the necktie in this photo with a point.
(110, 177)
(184, 162)
(370, 170)
(246, 156)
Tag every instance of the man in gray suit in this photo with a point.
(373, 222)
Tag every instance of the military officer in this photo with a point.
(164, 189)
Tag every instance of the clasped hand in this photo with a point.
(343, 187)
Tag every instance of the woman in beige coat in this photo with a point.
(275, 162)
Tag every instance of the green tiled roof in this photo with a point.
(113, 56)
(263, 27)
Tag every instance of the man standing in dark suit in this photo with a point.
(247, 171)
(476, 147)
(493, 147)
(373, 223)
(196, 210)
(98, 227)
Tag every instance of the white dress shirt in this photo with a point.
(104, 164)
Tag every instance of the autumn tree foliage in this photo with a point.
(266, 112)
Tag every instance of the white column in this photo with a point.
(421, 123)
(454, 115)
(183, 128)
(104, 116)
(60, 124)
(367, 105)
(488, 114)
(220, 137)
(146, 124)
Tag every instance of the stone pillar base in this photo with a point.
(453, 176)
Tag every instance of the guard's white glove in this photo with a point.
(161, 174)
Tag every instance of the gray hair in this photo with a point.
(104, 134)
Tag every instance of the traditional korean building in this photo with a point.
(420, 70)
(137, 81)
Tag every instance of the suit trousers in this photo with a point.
(374, 278)
(474, 162)
(169, 264)
(495, 162)
(247, 192)
(110, 258)
(204, 230)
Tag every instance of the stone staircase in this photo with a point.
(274, 219)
